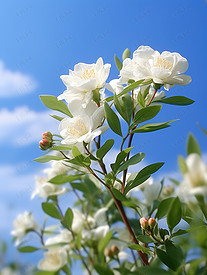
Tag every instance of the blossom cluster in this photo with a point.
(97, 230)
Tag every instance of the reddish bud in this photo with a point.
(108, 252)
(47, 135)
(144, 223)
(115, 249)
(152, 222)
(44, 144)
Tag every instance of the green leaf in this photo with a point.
(53, 103)
(133, 160)
(176, 100)
(78, 240)
(68, 219)
(118, 195)
(62, 147)
(101, 152)
(179, 232)
(150, 169)
(118, 62)
(182, 165)
(173, 257)
(144, 239)
(163, 208)
(174, 214)
(103, 270)
(141, 248)
(124, 106)
(46, 273)
(126, 54)
(104, 241)
(120, 158)
(61, 179)
(27, 249)
(151, 127)
(192, 145)
(113, 120)
(51, 210)
(134, 85)
(59, 118)
(141, 100)
(47, 158)
(149, 270)
(137, 181)
(145, 114)
(143, 175)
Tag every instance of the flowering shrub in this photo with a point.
(97, 230)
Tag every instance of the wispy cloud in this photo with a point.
(15, 83)
(23, 126)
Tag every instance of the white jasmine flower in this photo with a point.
(195, 180)
(65, 236)
(115, 86)
(78, 220)
(83, 80)
(21, 224)
(8, 271)
(55, 259)
(151, 190)
(95, 234)
(166, 68)
(45, 189)
(82, 127)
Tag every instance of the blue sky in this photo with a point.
(41, 40)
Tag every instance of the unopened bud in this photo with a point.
(144, 223)
(115, 249)
(108, 252)
(44, 144)
(152, 222)
(47, 135)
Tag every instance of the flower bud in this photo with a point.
(152, 222)
(108, 252)
(47, 135)
(44, 144)
(144, 223)
(115, 249)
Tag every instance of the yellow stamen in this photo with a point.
(88, 74)
(163, 63)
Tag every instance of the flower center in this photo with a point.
(53, 259)
(88, 74)
(78, 129)
(163, 63)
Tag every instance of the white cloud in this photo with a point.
(23, 126)
(15, 83)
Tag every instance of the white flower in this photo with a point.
(84, 126)
(57, 168)
(166, 68)
(55, 258)
(21, 224)
(151, 190)
(8, 271)
(45, 189)
(115, 86)
(78, 220)
(83, 80)
(95, 234)
(195, 180)
(65, 236)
